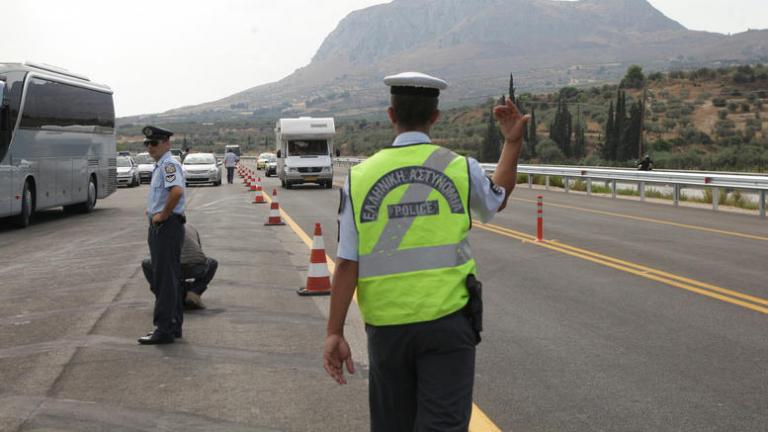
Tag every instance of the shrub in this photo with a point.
(719, 102)
(549, 152)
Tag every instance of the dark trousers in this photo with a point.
(421, 375)
(165, 241)
(201, 273)
(230, 174)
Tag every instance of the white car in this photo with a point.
(127, 172)
(145, 166)
(201, 168)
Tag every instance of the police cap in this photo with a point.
(415, 83)
(156, 133)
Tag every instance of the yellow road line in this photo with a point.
(651, 220)
(702, 288)
(479, 422)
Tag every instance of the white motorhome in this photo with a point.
(305, 151)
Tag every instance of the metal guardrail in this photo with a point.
(677, 180)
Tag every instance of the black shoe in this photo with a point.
(156, 338)
(177, 334)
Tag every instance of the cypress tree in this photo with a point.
(512, 89)
(579, 145)
(561, 129)
(490, 151)
(631, 139)
(533, 138)
(609, 146)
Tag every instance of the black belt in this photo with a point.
(182, 218)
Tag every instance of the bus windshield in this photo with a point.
(308, 148)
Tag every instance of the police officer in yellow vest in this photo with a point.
(404, 220)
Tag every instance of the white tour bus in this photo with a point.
(305, 151)
(57, 141)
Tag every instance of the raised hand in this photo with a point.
(511, 121)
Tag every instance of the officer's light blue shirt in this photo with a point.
(485, 198)
(167, 174)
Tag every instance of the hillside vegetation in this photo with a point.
(708, 119)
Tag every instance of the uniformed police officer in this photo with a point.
(403, 227)
(165, 211)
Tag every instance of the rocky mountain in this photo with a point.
(475, 45)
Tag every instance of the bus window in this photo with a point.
(308, 148)
(52, 105)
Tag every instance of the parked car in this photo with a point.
(261, 162)
(127, 172)
(201, 168)
(145, 165)
(271, 167)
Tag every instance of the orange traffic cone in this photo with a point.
(258, 184)
(318, 278)
(274, 211)
(259, 198)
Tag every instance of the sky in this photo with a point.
(162, 54)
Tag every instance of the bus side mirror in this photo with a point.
(338, 152)
(279, 154)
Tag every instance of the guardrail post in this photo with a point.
(566, 184)
(546, 182)
(676, 195)
(530, 181)
(762, 204)
(613, 189)
(589, 187)
(641, 185)
(715, 198)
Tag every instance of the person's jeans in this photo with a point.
(230, 174)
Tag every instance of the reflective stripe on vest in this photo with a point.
(413, 252)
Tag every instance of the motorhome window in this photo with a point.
(307, 148)
(53, 105)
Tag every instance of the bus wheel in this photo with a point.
(89, 204)
(27, 207)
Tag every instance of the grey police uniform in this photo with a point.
(165, 242)
(433, 360)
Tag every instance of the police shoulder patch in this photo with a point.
(170, 169)
(170, 178)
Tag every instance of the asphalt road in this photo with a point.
(630, 317)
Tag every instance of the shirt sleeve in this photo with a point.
(347, 232)
(172, 175)
(485, 197)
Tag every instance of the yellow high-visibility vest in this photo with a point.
(411, 211)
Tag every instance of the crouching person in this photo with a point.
(195, 266)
